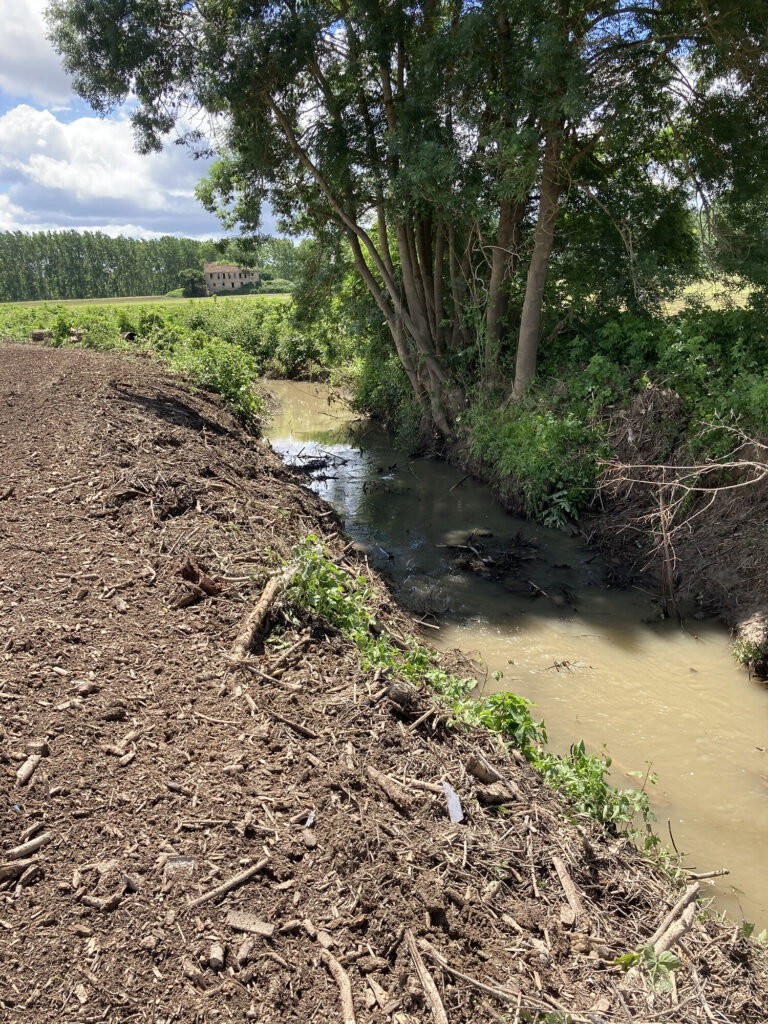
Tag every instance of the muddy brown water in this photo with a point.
(599, 663)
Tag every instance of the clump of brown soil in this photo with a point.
(185, 839)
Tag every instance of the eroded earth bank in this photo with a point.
(188, 839)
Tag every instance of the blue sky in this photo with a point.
(61, 166)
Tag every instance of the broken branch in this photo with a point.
(257, 617)
(233, 883)
(341, 978)
(427, 983)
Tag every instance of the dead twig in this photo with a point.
(708, 874)
(688, 897)
(30, 847)
(504, 995)
(233, 883)
(571, 892)
(341, 978)
(257, 617)
(427, 983)
(394, 792)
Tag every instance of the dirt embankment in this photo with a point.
(716, 550)
(715, 555)
(184, 840)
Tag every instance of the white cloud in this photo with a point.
(11, 216)
(29, 66)
(82, 173)
(91, 158)
(85, 173)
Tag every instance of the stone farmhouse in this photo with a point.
(224, 277)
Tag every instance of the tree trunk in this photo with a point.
(530, 321)
(502, 270)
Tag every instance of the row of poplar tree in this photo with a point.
(83, 265)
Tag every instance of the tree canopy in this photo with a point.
(468, 153)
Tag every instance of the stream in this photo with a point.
(599, 663)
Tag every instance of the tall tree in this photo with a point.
(442, 139)
(84, 265)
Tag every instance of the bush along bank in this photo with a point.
(265, 329)
(600, 441)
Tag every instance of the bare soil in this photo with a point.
(138, 523)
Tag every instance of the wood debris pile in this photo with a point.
(191, 837)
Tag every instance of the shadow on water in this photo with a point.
(449, 548)
(597, 661)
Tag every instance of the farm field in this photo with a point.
(220, 344)
(129, 300)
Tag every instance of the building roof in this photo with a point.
(211, 268)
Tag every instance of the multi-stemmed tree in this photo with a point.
(444, 141)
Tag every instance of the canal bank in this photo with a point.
(600, 662)
(194, 829)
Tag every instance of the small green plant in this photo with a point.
(657, 967)
(753, 655)
(324, 589)
(583, 778)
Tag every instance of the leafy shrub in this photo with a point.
(276, 287)
(583, 778)
(551, 457)
(226, 369)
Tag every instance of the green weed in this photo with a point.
(550, 456)
(752, 655)
(657, 968)
(322, 588)
(226, 369)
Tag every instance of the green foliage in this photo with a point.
(583, 778)
(427, 173)
(223, 345)
(549, 455)
(278, 286)
(747, 931)
(192, 282)
(226, 369)
(89, 264)
(548, 447)
(322, 588)
(266, 329)
(656, 967)
(380, 388)
(751, 654)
